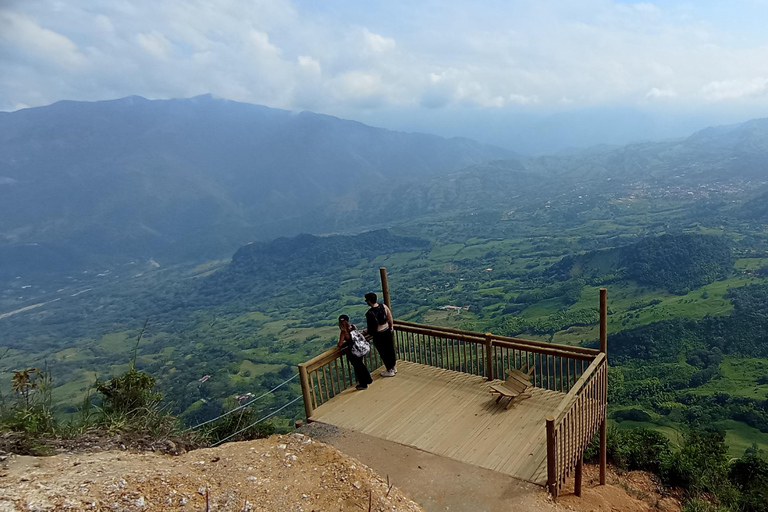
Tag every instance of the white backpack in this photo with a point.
(360, 346)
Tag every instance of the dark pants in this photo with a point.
(385, 345)
(362, 374)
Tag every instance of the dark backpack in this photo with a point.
(380, 314)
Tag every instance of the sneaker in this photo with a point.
(360, 387)
(388, 374)
(395, 370)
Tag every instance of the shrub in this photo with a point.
(750, 476)
(128, 392)
(632, 449)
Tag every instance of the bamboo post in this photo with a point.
(551, 462)
(385, 287)
(604, 350)
(489, 355)
(304, 379)
(577, 478)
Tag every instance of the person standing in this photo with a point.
(362, 374)
(380, 327)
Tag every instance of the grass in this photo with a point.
(738, 377)
(740, 436)
(674, 435)
(750, 263)
(250, 369)
(117, 342)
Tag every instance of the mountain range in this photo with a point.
(85, 184)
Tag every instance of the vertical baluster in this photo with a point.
(549, 377)
(319, 387)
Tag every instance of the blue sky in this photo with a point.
(395, 63)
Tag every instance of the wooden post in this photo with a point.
(577, 478)
(604, 350)
(385, 287)
(489, 355)
(551, 461)
(604, 321)
(305, 391)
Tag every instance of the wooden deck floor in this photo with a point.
(450, 414)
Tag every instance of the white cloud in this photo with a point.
(735, 89)
(155, 44)
(521, 99)
(656, 93)
(549, 54)
(309, 64)
(376, 43)
(24, 32)
(258, 43)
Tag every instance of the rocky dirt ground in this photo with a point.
(297, 472)
(282, 473)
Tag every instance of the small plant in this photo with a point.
(32, 411)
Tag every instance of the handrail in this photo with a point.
(576, 389)
(498, 341)
(541, 344)
(330, 354)
(576, 420)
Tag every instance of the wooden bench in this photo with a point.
(515, 387)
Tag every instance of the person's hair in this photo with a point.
(371, 297)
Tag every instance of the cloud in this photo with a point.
(347, 58)
(27, 35)
(656, 93)
(155, 44)
(735, 89)
(309, 64)
(521, 99)
(376, 43)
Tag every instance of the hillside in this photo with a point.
(111, 181)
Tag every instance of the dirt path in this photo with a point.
(279, 474)
(442, 484)
(436, 483)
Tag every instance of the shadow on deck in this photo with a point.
(451, 414)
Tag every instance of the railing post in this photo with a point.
(489, 356)
(385, 287)
(551, 460)
(577, 478)
(305, 390)
(604, 384)
(604, 321)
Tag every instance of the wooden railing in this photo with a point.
(328, 374)
(571, 428)
(555, 367)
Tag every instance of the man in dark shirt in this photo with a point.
(380, 325)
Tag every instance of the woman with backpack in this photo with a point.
(350, 337)
(380, 325)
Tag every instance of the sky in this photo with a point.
(449, 67)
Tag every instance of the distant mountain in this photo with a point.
(190, 178)
(256, 267)
(678, 263)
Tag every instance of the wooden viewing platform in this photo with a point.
(440, 402)
(451, 414)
